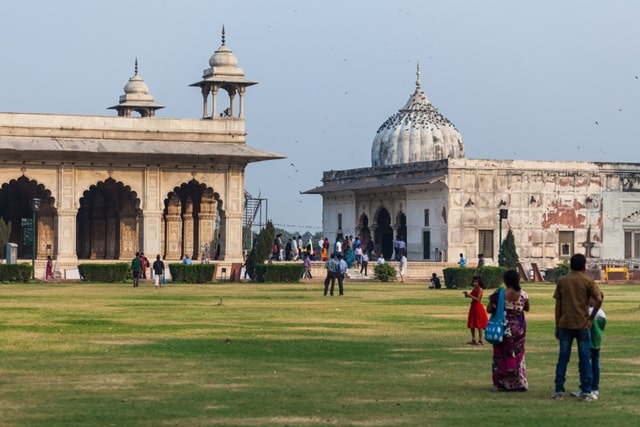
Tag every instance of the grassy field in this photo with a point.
(276, 355)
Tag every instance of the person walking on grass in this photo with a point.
(136, 268)
(403, 266)
(158, 272)
(342, 272)
(364, 263)
(573, 322)
(306, 273)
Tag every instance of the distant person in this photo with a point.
(403, 267)
(186, 260)
(477, 318)
(509, 368)
(573, 322)
(380, 259)
(597, 329)
(136, 268)
(158, 272)
(325, 249)
(358, 253)
(462, 262)
(481, 260)
(49, 270)
(306, 272)
(332, 271)
(364, 263)
(145, 265)
(337, 246)
(294, 249)
(371, 247)
(435, 281)
(288, 250)
(342, 272)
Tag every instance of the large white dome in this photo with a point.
(416, 133)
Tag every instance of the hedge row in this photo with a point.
(460, 277)
(193, 273)
(106, 273)
(278, 272)
(15, 272)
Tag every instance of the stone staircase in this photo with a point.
(355, 275)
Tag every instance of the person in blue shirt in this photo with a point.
(342, 271)
(462, 262)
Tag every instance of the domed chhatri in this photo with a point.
(416, 133)
(136, 98)
(223, 73)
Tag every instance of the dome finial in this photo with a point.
(223, 35)
(136, 67)
(418, 82)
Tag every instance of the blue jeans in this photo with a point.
(566, 337)
(595, 368)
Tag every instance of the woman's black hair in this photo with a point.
(511, 278)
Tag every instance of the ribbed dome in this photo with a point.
(416, 133)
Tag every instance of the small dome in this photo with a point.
(136, 85)
(223, 57)
(136, 98)
(416, 133)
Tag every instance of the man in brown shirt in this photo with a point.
(573, 321)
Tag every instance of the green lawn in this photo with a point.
(275, 355)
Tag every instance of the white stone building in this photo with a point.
(111, 186)
(423, 190)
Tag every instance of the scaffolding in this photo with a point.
(254, 219)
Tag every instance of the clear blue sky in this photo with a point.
(520, 79)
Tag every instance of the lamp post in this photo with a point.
(35, 206)
(504, 213)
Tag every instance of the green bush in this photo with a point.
(278, 272)
(106, 273)
(461, 277)
(385, 272)
(554, 274)
(491, 276)
(194, 273)
(458, 277)
(16, 272)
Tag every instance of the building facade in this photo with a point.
(108, 187)
(421, 189)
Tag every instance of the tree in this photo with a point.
(5, 233)
(509, 252)
(262, 249)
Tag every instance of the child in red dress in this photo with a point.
(477, 318)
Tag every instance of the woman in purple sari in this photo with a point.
(509, 369)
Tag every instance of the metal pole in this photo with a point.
(35, 205)
(500, 256)
(33, 242)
